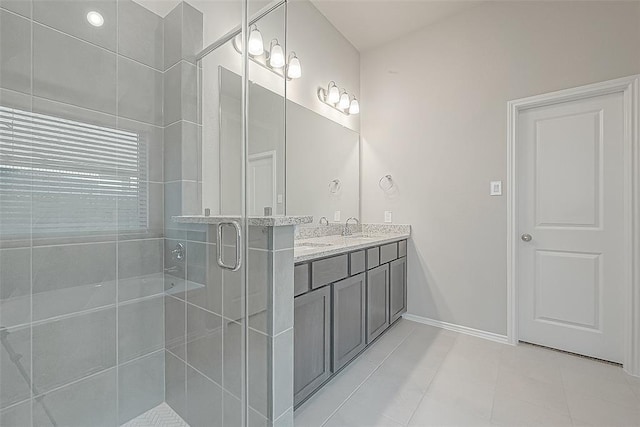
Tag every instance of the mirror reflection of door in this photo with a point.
(261, 183)
(265, 149)
(317, 151)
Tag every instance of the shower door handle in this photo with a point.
(219, 246)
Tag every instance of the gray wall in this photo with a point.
(434, 116)
(84, 311)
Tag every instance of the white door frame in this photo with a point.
(630, 88)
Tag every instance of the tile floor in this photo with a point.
(160, 416)
(417, 375)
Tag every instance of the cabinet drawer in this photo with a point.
(402, 249)
(300, 279)
(357, 263)
(388, 252)
(329, 270)
(373, 258)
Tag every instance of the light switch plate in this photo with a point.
(336, 216)
(279, 198)
(388, 216)
(496, 188)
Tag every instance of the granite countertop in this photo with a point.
(320, 247)
(262, 221)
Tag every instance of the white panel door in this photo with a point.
(262, 183)
(570, 192)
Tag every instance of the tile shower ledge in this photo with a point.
(261, 221)
(335, 245)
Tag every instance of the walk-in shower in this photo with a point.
(116, 305)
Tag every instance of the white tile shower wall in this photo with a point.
(82, 315)
(183, 130)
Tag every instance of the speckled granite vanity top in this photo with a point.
(262, 221)
(368, 235)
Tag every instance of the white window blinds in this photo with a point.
(70, 176)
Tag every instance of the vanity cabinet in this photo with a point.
(377, 301)
(397, 288)
(342, 304)
(312, 342)
(349, 310)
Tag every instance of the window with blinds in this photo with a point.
(70, 176)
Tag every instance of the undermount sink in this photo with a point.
(362, 236)
(313, 245)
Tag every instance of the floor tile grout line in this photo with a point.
(430, 382)
(367, 377)
(495, 388)
(493, 397)
(566, 398)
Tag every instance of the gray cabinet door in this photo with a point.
(311, 342)
(398, 288)
(377, 301)
(348, 319)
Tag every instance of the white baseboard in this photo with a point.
(458, 328)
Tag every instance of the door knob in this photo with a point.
(526, 237)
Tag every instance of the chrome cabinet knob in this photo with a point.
(526, 237)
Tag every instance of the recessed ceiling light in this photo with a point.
(95, 18)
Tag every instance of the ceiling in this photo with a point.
(366, 23)
(369, 23)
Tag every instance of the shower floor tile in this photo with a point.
(160, 416)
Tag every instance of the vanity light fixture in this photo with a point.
(95, 18)
(256, 47)
(354, 106)
(274, 59)
(294, 69)
(344, 101)
(333, 93)
(276, 54)
(339, 100)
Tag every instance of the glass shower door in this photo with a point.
(242, 105)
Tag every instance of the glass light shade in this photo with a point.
(344, 101)
(294, 70)
(237, 41)
(256, 47)
(276, 56)
(333, 95)
(95, 18)
(354, 107)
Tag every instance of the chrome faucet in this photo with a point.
(346, 231)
